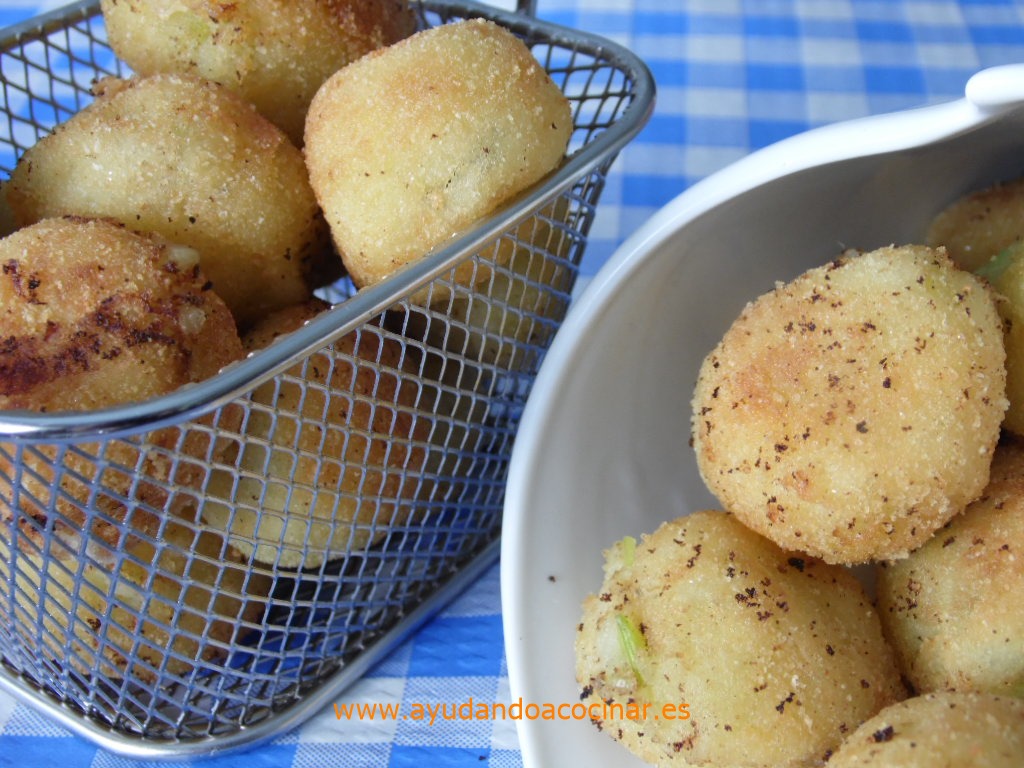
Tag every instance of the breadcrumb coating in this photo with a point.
(853, 411)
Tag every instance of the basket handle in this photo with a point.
(527, 7)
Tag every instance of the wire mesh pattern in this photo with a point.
(187, 573)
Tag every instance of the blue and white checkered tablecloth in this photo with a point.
(733, 76)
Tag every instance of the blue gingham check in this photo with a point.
(733, 76)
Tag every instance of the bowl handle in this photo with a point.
(997, 89)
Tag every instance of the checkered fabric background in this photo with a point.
(733, 76)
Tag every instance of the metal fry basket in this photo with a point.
(200, 571)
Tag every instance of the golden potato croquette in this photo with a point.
(977, 226)
(952, 608)
(191, 161)
(853, 411)
(185, 602)
(413, 143)
(93, 315)
(776, 656)
(274, 53)
(518, 307)
(984, 232)
(332, 455)
(516, 310)
(952, 730)
(1006, 274)
(7, 223)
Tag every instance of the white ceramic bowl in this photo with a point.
(603, 448)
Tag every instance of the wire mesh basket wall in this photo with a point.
(206, 568)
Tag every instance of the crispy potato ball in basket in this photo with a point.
(94, 315)
(192, 161)
(853, 411)
(274, 53)
(159, 606)
(776, 656)
(952, 730)
(952, 609)
(7, 223)
(331, 454)
(413, 143)
(515, 309)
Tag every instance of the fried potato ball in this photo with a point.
(274, 53)
(332, 451)
(413, 143)
(852, 412)
(1006, 274)
(516, 309)
(952, 730)
(7, 223)
(191, 161)
(977, 226)
(776, 656)
(952, 609)
(984, 232)
(93, 315)
(158, 610)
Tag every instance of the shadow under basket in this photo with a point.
(132, 621)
